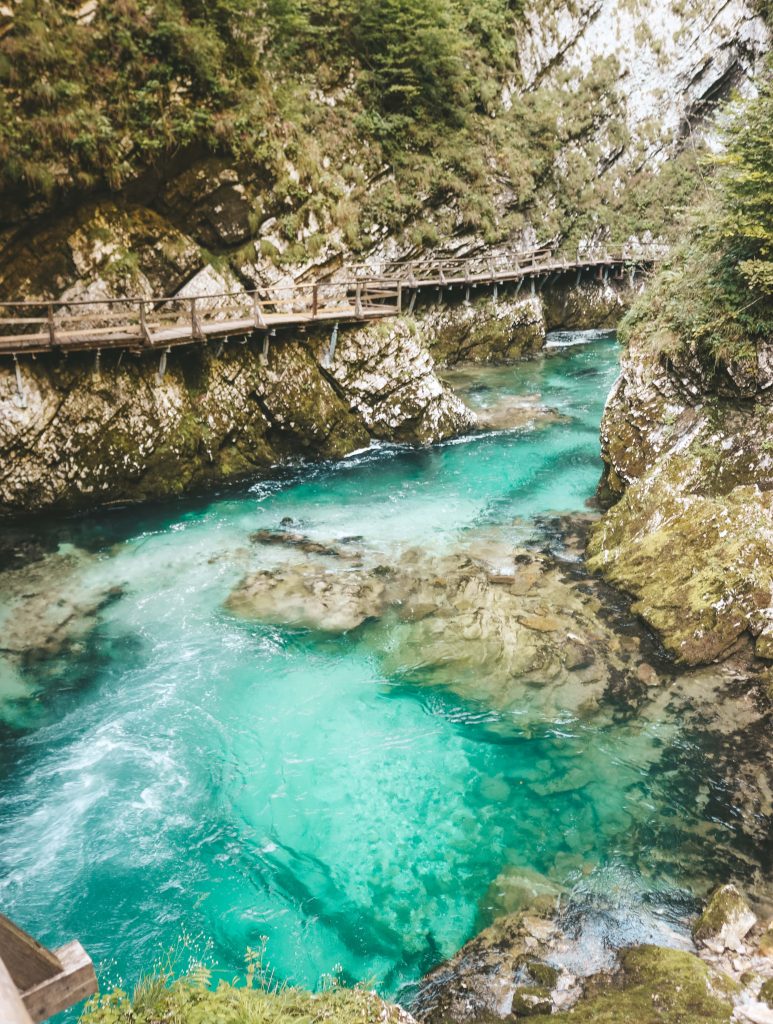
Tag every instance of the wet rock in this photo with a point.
(486, 977)
(298, 541)
(518, 889)
(516, 413)
(48, 609)
(493, 622)
(726, 920)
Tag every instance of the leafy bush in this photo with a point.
(716, 295)
(191, 999)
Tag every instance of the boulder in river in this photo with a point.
(726, 920)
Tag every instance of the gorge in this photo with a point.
(343, 663)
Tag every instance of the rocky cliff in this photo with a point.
(688, 454)
(568, 146)
(76, 432)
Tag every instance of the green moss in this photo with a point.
(766, 993)
(530, 1001)
(654, 986)
(539, 973)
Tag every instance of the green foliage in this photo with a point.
(192, 999)
(385, 113)
(715, 297)
(86, 103)
(747, 184)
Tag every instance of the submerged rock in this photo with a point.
(726, 920)
(303, 596)
(48, 609)
(496, 623)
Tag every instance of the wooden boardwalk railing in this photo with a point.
(369, 292)
(34, 982)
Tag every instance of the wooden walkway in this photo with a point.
(368, 293)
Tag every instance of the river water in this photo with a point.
(181, 778)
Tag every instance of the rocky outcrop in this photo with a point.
(74, 437)
(676, 58)
(512, 971)
(687, 451)
(726, 920)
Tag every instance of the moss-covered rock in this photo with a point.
(692, 536)
(726, 920)
(654, 986)
(497, 974)
(766, 992)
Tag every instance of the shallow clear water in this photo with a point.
(188, 772)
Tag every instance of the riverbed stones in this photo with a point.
(493, 622)
(726, 920)
(302, 596)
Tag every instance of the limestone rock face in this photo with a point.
(486, 331)
(726, 920)
(76, 438)
(691, 538)
(675, 58)
(99, 251)
(389, 376)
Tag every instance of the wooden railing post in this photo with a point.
(196, 331)
(44, 983)
(358, 300)
(144, 332)
(258, 318)
(51, 331)
(315, 299)
(12, 1009)
(399, 297)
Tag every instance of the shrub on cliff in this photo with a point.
(191, 1000)
(716, 295)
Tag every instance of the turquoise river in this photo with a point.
(184, 780)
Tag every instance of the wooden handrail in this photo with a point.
(36, 983)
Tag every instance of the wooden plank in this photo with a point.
(27, 961)
(12, 1009)
(75, 981)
